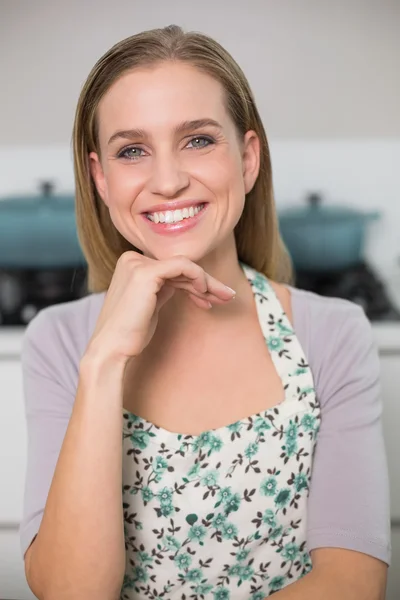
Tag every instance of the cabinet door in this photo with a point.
(393, 584)
(13, 582)
(390, 379)
(13, 441)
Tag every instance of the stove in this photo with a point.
(359, 284)
(24, 292)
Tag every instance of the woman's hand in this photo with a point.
(140, 286)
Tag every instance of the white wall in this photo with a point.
(318, 68)
(325, 76)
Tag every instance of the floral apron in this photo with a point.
(222, 515)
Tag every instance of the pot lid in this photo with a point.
(317, 212)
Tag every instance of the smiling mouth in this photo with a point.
(170, 217)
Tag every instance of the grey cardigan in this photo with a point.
(349, 495)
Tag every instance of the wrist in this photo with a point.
(95, 361)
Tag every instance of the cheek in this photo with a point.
(123, 185)
(222, 174)
(231, 182)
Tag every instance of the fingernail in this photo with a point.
(231, 290)
(209, 305)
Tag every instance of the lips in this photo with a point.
(178, 227)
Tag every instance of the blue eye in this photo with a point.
(124, 151)
(201, 137)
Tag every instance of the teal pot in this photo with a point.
(324, 238)
(39, 231)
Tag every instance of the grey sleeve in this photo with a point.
(48, 384)
(348, 502)
(349, 492)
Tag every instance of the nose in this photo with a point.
(167, 177)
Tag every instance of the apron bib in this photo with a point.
(222, 515)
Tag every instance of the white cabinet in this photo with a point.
(390, 380)
(13, 440)
(12, 574)
(393, 584)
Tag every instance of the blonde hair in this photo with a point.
(257, 235)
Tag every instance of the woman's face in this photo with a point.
(155, 159)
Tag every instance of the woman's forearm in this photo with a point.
(311, 587)
(335, 584)
(79, 552)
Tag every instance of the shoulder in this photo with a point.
(304, 307)
(60, 332)
(318, 317)
(337, 339)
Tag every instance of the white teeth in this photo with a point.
(174, 216)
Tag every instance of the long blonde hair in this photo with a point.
(257, 235)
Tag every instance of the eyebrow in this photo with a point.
(180, 128)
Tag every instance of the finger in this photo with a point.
(215, 287)
(188, 287)
(200, 302)
(166, 292)
(220, 291)
(216, 300)
(181, 266)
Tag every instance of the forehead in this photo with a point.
(159, 97)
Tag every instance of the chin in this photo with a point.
(192, 250)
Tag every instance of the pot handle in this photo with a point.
(374, 215)
(314, 200)
(47, 188)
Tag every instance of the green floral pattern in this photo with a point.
(222, 515)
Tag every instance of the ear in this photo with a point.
(250, 159)
(97, 173)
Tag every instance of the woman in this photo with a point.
(252, 460)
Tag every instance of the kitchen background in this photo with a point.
(326, 79)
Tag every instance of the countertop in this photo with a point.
(387, 333)
(387, 336)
